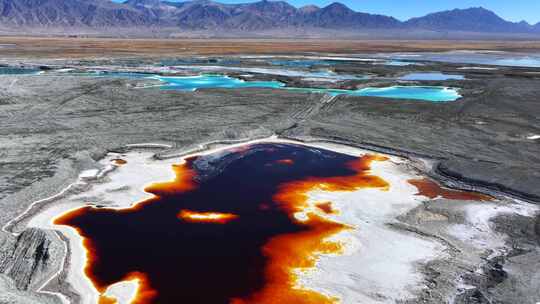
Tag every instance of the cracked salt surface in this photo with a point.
(478, 229)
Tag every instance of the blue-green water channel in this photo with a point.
(427, 93)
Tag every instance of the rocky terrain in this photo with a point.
(53, 127)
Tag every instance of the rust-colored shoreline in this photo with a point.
(182, 182)
(302, 249)
(431, 189)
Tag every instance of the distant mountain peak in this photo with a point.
(309, 8)
(338, 6)
(143, 2)
(474, 19)
(479, 10)
(272, 3)
(475, 8)
(337, 9)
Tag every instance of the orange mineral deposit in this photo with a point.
(226, 229)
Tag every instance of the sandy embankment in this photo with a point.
(380, 264)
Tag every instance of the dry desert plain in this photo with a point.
(61, 131)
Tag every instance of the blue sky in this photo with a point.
(513, 10)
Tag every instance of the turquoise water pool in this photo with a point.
(198, 60)
(434, 94)
(192, 83)
(431, 76)
(18, 71)
(527, 61)
(397, 63)
(427, 93)
(304, 63)
(467, 57)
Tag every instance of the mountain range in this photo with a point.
(27, 16)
